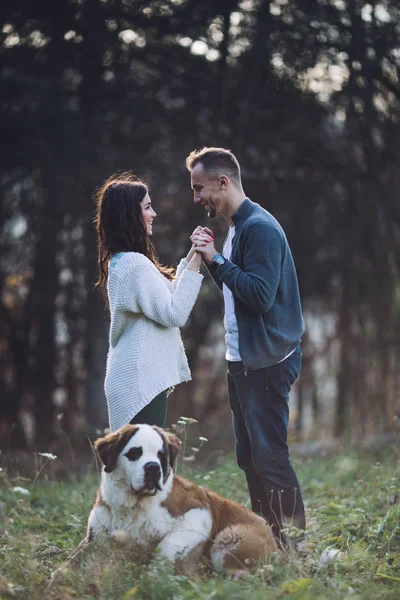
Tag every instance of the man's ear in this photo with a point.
(223, 182)
(110, 446)
(174, 447)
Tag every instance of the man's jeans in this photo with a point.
(259, 402)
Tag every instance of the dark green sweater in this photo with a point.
(262, 278)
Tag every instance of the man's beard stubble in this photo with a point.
(211, 213)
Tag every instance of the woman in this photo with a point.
(147, 301)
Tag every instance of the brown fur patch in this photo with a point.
(229, 516)
(172, 443)
(99, 500)
(256, 537)
(244, 545)
(110, 446)
(184, 496)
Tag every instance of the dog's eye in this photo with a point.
(134, 453)
(160, 454)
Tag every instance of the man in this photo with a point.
(264, 324)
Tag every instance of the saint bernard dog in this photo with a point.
(141, 498)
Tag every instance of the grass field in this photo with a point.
(352, 502)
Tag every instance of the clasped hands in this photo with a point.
(202, 240)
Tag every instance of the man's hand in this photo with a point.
(203, 237)
(208, 252)
(203, 243)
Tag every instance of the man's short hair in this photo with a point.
(215, 162)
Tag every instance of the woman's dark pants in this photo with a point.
(259, 402)
(155, 413)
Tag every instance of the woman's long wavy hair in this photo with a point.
(120, 226)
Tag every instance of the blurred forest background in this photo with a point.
(306, 93)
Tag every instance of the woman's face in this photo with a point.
(148, 214)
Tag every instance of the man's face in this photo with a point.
(206, 191)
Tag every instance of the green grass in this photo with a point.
(352, 504)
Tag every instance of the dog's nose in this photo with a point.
(152, 468)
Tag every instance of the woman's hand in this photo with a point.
(195, 262)
(203, 243)
(201, 236)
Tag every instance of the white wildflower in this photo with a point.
(188, 420)
(48, 455)
(15, 589)
(203, 439)
(21, 490)
(329, 555)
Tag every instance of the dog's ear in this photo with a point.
(110, 446)
(174, 447)
(172, 442)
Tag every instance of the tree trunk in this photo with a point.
(97, 328)
(41, 322)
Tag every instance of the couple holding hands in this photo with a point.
(263, 320)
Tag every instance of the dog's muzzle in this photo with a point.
(152, 476)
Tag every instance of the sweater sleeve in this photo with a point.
(256, 285)
(143, 290)
(179, 270)
(181, 267)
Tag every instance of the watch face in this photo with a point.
(218, 259)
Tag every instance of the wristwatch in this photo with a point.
(218, 260)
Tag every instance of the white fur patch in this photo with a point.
(219, 554)
(99, 521)
(151, 443)
(190, 530)
(217, 559)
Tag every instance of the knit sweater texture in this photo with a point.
(146, 354)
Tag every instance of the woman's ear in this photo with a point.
(109, 447)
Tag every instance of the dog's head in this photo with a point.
(143, 455)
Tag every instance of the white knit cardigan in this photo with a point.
(146, 354)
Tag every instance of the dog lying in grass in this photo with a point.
(142, 503)
(142, 500)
